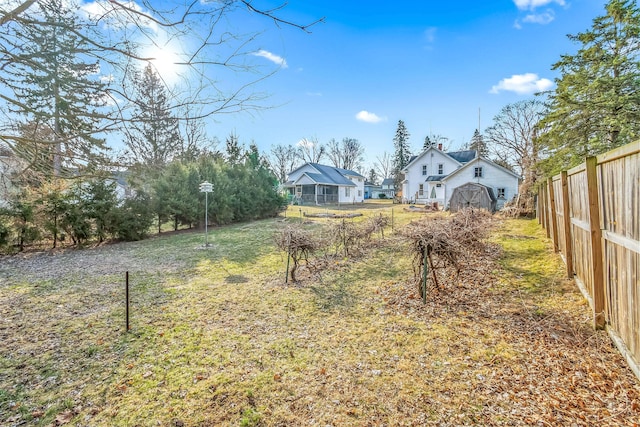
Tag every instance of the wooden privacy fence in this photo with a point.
(592, 214)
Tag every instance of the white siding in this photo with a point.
(492, 176)
(429, 158)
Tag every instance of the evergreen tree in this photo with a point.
(154, 139)
(55, 88)
(234, 149)
(429, 143)
(477, 143)
(402, 153)
(373, 176)
(596, 103)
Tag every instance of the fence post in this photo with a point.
(568, 243)
(596, 244)
(554, 218)
(545, 187)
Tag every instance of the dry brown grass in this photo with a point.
(219, 339)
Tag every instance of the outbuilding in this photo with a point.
(472, 195)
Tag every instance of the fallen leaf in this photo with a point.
(64, 418)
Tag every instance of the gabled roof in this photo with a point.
(387, 181)
(463, 156)
(329, 175)
(452, 155)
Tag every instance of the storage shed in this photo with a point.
(473, 195)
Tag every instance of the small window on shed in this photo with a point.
(501, 193)
(477, 172)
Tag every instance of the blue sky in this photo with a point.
(440, 66)
(432, 64)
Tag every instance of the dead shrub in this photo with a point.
(443, 246)
(299, 243)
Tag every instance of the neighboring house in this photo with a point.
(320, 184)
(9, 165)
(383, 191)
(123, 189)
(433, 175)
(388, 188)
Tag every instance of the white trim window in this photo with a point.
(477, 172)
(440, 168)
(347, 192)
(501, 193)
(421, 190)
(424, 170)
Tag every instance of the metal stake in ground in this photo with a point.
(206, 188)
(126, 297)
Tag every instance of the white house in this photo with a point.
(319, 184)
(382, 191)
(433, 175)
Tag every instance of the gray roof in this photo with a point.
(436, 178)
(321, 178)
(387, 181)
(330, 175)
(463, 156)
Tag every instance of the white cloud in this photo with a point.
(540, 18)
(365, 116)
(430, 34)
(533, 4)
(522, 84)
(278, 60)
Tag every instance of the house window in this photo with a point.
(477, 172)
(438, 185)
(421, 189)
(501, 193)
(359, 193)
(347, 191)
(424, 170)
(440, 169)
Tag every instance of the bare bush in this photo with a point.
(350, 237)
(299, 243)
(446, 245)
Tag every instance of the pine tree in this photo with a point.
(155, 138)
(234, 149)
(373, 176)
(477, 143)
(428, 143)
(596, 104)
(402, 153)
(55, 88)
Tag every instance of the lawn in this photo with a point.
(218, 338)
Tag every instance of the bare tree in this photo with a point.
(282, 160)
(347, 154)
(195, 140)
(384, 165)
(122, 37)
(512, 138)
(310, 150)
(334, 153)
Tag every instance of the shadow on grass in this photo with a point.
(332, 297)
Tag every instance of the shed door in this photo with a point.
(470, 196)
